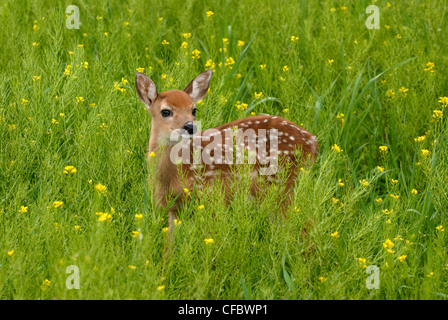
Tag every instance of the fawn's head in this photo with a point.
(173, 112)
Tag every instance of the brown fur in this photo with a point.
(299, 147)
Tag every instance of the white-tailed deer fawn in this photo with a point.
(213, 153)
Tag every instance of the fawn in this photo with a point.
(173, 129)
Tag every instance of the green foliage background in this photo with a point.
(380, 82)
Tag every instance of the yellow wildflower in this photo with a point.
(364, 182)
(335, 234)
(437, 114)
(388, 245)
(69, 169)
(209, 241)
(383, 149)
(23, 209)
(58, 204)
(337, 148)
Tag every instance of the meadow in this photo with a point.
(74, 135)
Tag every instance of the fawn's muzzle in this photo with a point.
(190, 128)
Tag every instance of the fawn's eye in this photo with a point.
(165, 113)
(194, 112)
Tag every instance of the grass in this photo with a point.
(356, 89)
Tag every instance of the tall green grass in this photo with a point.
(355, 88)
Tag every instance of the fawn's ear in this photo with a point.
(146, 89)
(197, 89)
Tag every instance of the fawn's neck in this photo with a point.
(166, 169)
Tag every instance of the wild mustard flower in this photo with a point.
(10, 253)
(101, 188)
(141, 70)
(380, 169)
(294, 38)
(429, 66)
(165, 229)
(23, 209)
(58, 204)
(336, 148)
(340, 183)
(384, 149)
(322, 279)
(414, 192)
(390, 94)
(209, 241)
(402, 258)
(241, 105)
(341, 119)
(138, 216)
(440, 228)
(210, 14)
(285, 69)
(229, 61)
(394, 181)
(135, 234)
(165, 43)
(388, 245)
(258, 95)
(152, 154)
(184, 45)
(104, 216)
(46, 284)
(335, 234)
(195, 54)
(425, 152)
(404, 91)
(160, 288)
(330, 61)
(420, 139)
(443, 101)
(285, 110)
(200, 207)
(186, 35)
(437, 114)
(240, 43)
(262, 66)
(364, 182)
(379, 200)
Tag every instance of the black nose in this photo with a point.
(190, 127)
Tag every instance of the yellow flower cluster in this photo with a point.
(241, 105)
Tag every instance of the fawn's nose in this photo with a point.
(190, 127)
